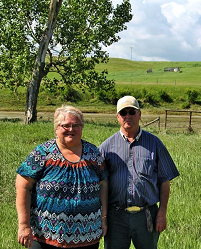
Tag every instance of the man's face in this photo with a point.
(129, 118)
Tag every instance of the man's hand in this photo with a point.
(104, 226)
(161, 221)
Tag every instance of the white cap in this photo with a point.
(127, 101)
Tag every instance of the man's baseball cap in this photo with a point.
(127, 101)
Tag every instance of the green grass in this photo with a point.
(131, 78)
(127, 71)
(184, 209)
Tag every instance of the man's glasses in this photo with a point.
(124, 112)
(68, 126)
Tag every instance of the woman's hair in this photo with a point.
(61, 112)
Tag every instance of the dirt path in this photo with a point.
(176, 122)
(49, 116)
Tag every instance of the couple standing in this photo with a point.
(71, 193)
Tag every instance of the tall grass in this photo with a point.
(184, 209)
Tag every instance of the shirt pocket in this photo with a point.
(145, 166)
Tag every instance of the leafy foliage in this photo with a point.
(83, 28)
(192, 96)
(165, 96)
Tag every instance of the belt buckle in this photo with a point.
(133, 209)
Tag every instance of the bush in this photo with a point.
(165, 97)
(122, 93)
(70, 94)
(192, 96)
(149, 98)
(107, 96)
(185, 105)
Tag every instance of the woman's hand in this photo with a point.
(25, 237)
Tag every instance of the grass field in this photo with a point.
(184, 210)
(135, 72)
(131, 78)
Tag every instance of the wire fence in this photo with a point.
(178, 120)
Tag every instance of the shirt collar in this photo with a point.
(137, 137)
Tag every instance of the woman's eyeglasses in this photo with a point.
(130, 112)
(68, 126)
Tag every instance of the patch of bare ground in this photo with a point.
(178, 122)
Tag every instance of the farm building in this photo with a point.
(149, 70)
(171, 69)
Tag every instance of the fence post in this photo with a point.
(165, 119)
(190, 127)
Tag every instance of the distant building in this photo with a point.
(149, 70)
(171, 69)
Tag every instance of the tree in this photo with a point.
(39, 72)
(72, 33)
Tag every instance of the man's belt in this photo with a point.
(132, 209)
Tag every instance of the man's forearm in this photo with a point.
(161, 221)
(164, 195)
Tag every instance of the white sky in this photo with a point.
(161, 30)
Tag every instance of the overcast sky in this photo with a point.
(161, 30)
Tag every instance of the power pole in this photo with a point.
(131, 52)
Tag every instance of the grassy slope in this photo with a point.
(134, 75)
(127, 71)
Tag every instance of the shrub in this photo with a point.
(165, 97)
(122, 93)
(185, 105)
(107, 96)
(137, 94)
(192, 96)
(149, 98)
(69, 94)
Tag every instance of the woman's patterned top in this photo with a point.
(65, 208)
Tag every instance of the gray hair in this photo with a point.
(61, 112)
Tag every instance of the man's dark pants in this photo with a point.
(124, 227)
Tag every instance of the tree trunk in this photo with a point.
(38, 72)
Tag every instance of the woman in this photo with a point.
(62, 189)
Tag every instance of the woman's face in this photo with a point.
(69, 131)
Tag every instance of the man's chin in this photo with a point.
(127, 126)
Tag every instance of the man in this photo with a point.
(140, 168)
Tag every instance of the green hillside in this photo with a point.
(127, 71)
(156, 91)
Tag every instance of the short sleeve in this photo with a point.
(166, 166)
(33, 165)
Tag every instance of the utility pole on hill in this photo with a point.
(131, 52)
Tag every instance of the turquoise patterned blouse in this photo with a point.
(65, 208)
